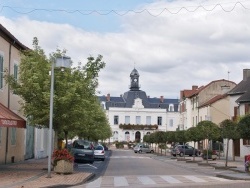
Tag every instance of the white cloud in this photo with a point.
(171, 52)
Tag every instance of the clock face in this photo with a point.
(135, 80)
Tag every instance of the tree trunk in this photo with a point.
(66, 138)
(227, 152)
(233, 151)
(194, 152)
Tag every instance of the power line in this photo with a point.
(125, 12)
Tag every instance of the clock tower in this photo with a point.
(134, 80)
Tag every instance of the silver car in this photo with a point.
(143, 148)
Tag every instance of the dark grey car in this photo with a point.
(184, 150)
(83, 151)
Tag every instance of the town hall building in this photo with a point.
(134, 114)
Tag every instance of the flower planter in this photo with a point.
(64, 167)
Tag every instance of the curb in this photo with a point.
(233, 177)
(89, 177)
(193, 161)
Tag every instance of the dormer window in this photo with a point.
(171, 108)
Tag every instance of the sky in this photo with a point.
(174, 44)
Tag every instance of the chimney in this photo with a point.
(194, 87)
(181, 94)
(108, 97)
(246, 74)
(161, 99)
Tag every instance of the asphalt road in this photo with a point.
(124, 168)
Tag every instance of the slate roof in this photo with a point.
(128, 98)
(127, 101)
(243, 89)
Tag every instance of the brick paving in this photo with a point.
(33, 174)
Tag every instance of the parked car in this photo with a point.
(143, 148)
(99, 152)
(83, 151)
(184, 149)
(212, 154)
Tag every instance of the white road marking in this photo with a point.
(145, 180)
(195, 179)
(153, 180)
(219, 179)
(170, 179)
(120, 181)
(95, 184)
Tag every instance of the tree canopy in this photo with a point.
(76, 108)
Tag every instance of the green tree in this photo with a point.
(73, 92)
(244, 127)
(181, 137)
(160, 139)
(194, 134)
(209, 131)
(229, 131)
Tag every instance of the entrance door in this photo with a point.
(137, 136)
(236, 144)
(127, 136)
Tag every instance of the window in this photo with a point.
(1, 72)
(246, 142)
(138, 120)
(171, 122)
(193, 121)
(127, 119)
(159, 120)
(171, 108)
(116, 120)
(15, 71)
(148, 120)
(13, 136)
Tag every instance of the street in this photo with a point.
(124, 168)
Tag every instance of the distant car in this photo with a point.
(143, 148)
(182, 150)
(83, 151)
(99, 152)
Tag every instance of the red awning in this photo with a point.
(10, 119)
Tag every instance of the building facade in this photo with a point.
(205, 103)
(134, 114)
(12, 124)
(18, 140)
(239, 106)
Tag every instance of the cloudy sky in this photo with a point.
(172, 44)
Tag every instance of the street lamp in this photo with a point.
(61, 62)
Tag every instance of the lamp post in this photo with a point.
(62, 62)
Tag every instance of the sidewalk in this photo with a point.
(33, 174)
(235, 170)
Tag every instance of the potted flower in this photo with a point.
(63, 161)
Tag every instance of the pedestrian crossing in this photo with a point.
(152, 180)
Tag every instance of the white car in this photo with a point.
(143, 148)
(99, 152)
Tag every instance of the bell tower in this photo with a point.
(134, 80)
